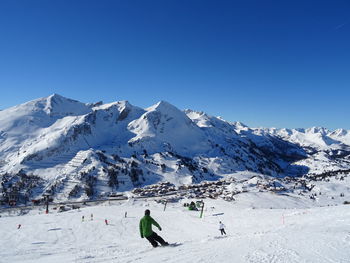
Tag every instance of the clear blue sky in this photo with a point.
(264, 63)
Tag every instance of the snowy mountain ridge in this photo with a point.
(80, 150)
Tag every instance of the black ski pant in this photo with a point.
(154, 238)
(223, 231)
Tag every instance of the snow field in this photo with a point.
(253, 235)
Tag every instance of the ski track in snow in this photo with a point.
(253, 235)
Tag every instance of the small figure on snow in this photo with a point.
(19, 226)
(222, 228)
(126, 214)
(146, 231)
(82, 218)
(192, 206)
(92, 217)
(106, 222)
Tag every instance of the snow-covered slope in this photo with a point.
(316, 137)
(255, 235)
(327, 150)
(25, 122)
(76, 150)
(164, 126)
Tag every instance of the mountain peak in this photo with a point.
(57, 105)
(321, 130)
(55, 96)
(162, 106)
(339, 132)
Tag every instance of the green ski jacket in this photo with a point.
(146, 223)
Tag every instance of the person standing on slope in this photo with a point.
(222, 228)
(146, 231)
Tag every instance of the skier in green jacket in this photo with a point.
(146, 223)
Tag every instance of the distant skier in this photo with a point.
(82, 218)
(146, 231)
(222, 228)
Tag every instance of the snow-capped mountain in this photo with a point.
(79, 150)
(327, 150)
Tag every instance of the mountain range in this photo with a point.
(78, 150)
